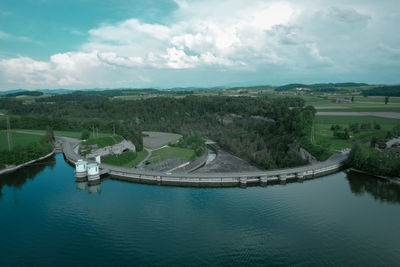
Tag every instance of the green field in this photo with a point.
(70, 134)
(127, 159)
(104, 141)
(18, 139)
(324, 136)
(387, 122)
(172, 153)
(356, 107)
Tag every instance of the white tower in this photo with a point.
(80, 169)
(93, 172)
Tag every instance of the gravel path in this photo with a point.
(157, 139)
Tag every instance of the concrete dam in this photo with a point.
(226, 179)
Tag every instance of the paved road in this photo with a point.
(390, 115)
(145, 159)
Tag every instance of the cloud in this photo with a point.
(77, 32)
(349, 16)
(231, 37)
(10, 37)
(113, 59)
(62, 69)
(389, 49)
(4, 35)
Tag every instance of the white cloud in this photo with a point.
(222, 36)
(4, 35)
(62, 69)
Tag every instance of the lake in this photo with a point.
(48, 219)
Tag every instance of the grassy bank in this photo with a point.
(104, 141)
(127, 159)
(323, 135)
(172, 153)
(71, 134)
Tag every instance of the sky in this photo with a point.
(78, 44)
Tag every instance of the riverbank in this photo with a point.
(14, 168)
(395, 180)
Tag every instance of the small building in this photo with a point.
(93, 171)
(81, 168)
(90, 169)
(342, 100)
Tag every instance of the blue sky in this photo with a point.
(113, 44)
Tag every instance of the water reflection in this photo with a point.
(90, 187)
(81, 185)
(94, 189)
(18, 178)
(380, 189)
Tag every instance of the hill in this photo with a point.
(317, 86)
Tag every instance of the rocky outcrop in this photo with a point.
(295, 148)
(114, 149)
(304, 154)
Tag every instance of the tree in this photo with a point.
(352, 99)
(373, 141)
(50, 135)
(85, 135)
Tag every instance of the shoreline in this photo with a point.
(395, 180)
(12, 169)
(228, 179)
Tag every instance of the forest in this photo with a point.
(373, 161)
(383, 91)
(270, 140)
(22, 154)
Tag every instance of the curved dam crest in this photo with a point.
(228, 179)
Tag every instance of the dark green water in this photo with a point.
(336, 220)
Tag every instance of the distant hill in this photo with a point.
(55, 91)
(11, 91)
(383, 91)
(21, 93)
(256, 87)
(292, 86)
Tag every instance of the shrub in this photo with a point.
(85, 135)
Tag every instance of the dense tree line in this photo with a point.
(28, 93)
(263, 141)
(22, 154)
(374, 161)
(192, 141)
(383, 91)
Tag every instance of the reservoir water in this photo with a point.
(47, 219)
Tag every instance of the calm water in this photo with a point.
(46, 220)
